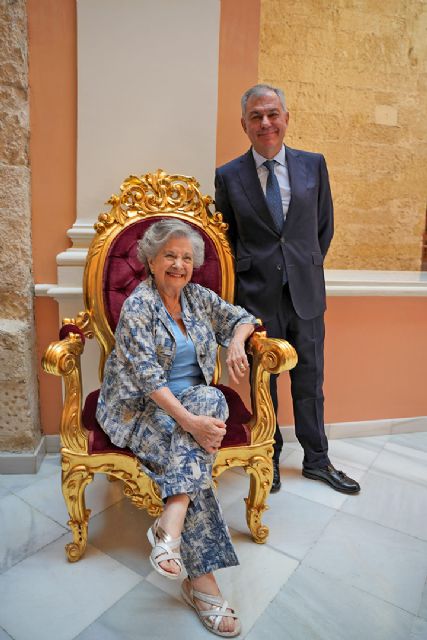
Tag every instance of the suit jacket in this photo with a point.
(261, 251)
(142, 358)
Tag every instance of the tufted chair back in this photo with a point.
(112, 268)
(123, 271)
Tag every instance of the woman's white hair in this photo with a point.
(161, 232)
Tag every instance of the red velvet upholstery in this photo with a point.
(123, 271)
(237, 431)
(66, 329)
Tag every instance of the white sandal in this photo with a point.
(164, 548)
(211, 618)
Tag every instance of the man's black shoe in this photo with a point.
(275, 487)
(337, 479)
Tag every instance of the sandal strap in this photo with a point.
(221, 610)
(159, 551)
(163, 536)
(207, 598)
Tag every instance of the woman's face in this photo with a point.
(172, 267)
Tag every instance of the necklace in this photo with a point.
(174, 312)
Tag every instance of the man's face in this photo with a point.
(265, 123)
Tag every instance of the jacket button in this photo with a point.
(278, 267)
(282, 241)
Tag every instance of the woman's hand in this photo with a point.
(237, 362)
(207, 431)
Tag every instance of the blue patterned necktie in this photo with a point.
(273, 197)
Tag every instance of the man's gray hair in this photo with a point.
(161, 232)
(262, 90)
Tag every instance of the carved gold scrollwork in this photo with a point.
(74, 484)
(62, 358)
(257, 462)
(160, 193)
(83, 322)
(270, 355)
(260, 469)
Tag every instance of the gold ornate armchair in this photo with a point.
(112, 271)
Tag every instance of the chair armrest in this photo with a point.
(269, 355)
(62, 358)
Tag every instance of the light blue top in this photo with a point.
(185, 370)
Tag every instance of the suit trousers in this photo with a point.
(307, 337)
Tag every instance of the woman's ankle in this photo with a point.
(205, 583)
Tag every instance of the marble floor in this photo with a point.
(335, 567)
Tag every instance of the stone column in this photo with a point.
(19, 408)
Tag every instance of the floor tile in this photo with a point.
(294, 522)
(120, 531)
(4, 492)
(312, 606)
(23, 531)
(50, 466)
(392, 502)
(294, 482)
(335, 567)
(250, 586)
(46, 496)
(419, 629)
(402, 462)
(65, 598)
(422, 611)
(413, 440)
(148, 613)
(388, 564)
(357, 452)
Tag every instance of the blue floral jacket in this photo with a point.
(145, 349)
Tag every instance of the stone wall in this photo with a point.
(19, 414)
(354, 73)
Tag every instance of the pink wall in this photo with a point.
(53, 115)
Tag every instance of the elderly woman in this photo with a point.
(156, 399)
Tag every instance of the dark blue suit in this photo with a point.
(295, 310)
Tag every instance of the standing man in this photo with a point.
(277, 202)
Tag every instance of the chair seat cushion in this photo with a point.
(237, 435)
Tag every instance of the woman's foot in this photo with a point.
(165, 557)
(205, 597)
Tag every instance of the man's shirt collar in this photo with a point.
(279, 157)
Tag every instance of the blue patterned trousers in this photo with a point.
(179, 465)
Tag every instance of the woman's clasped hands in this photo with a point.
(207, 431)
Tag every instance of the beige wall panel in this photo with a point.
(147, 93)
(355, 79)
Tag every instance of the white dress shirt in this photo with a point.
(281, 173)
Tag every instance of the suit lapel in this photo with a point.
(252, 187)
(297, 177)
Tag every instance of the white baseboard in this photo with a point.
(364, 428)
(30, 461)
(24, 462)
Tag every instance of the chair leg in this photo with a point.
(260, 469)
(73, 488)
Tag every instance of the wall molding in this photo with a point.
(338, 282)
